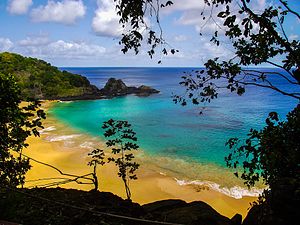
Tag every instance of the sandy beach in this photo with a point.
(69, 153)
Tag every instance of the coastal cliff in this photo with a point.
(40, 80)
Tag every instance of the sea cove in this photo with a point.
(169, 133)
(141, 112)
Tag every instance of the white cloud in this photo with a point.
(209, 50)
(34, 41)
(42, 47)
(65, 12)
(19, 7)
(193, 11)
(74, 49)
(106, 20)
(202, 49)
(5, 44)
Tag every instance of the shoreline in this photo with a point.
(151, 185)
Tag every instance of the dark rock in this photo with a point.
(159, 206)
(255, 216)
(144, 90)
(74, 207)
(237, 219)
(8, 223)
(66, 206)
(114, 88)
(178, 211)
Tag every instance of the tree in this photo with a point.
(97, 158)
(17, 123)
(274, 150)
(257, 38)
(122, 139)
(272, 155)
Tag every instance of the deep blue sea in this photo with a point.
(166, 130)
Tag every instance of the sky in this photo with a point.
(85, 33)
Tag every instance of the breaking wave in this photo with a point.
(236, 192)
(87, 145)
(47, 129)
(62, 137)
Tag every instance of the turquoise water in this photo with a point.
(168, 130)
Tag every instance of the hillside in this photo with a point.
(39, 80)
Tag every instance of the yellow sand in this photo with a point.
(150, 186)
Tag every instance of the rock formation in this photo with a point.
(68, 206)
(116, 87)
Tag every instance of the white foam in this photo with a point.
(67, 102)
(162, 173)
(235, 192)
(87, 145)
(62, 137)
(47, 129)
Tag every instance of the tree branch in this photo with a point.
(58, 170)
(289, 9)
(279, 66)
(271, 29)
(294, 95)
(270, 73)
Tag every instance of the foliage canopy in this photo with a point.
(272, 153)
(17, 123)
(257, 37)
(122, 140)
(39, 80)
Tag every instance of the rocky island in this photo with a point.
(115, 87)
(40, 80)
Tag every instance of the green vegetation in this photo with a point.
(39, 80)
(271, 155)
(17, 123)
(274, 151)
(122, 140)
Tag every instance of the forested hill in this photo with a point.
(39, 80)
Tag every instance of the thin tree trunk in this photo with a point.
(128, 193)
(95, 178)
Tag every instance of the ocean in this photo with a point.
(182, 143)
